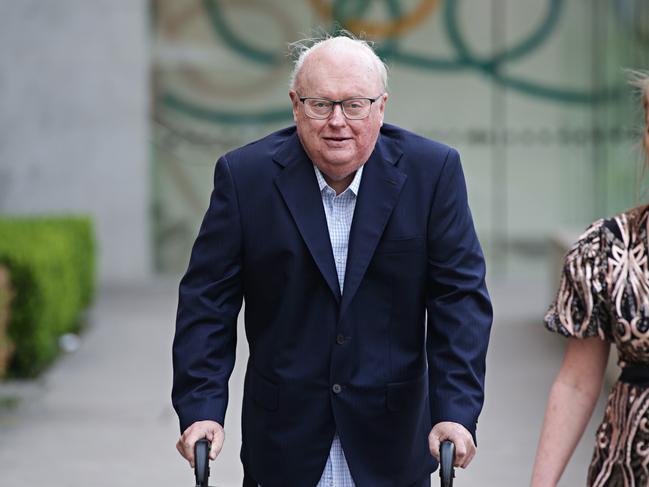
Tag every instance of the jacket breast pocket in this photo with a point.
(264, 392)
(401, 245)
(401, 395)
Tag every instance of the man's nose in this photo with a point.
(337, 118)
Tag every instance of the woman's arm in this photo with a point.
(571, 402)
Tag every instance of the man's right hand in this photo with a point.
(464, 446)
(211, 430)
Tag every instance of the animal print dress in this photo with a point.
(604, 292)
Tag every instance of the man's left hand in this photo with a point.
(464, 447)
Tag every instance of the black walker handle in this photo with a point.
(202, 465)
(446, 460)
(202, 462)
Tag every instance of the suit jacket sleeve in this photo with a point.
(209, 302)
(457, 302)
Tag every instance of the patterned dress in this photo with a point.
(604, 292)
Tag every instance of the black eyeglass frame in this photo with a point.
(339, 102)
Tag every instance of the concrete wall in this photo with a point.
(74, 130)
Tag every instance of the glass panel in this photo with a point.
(532, 93)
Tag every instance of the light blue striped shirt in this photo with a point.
(339, 210)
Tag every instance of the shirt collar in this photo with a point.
(353, 187)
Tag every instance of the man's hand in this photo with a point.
(464, 447)
(211, 430)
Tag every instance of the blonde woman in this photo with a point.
(603, 299)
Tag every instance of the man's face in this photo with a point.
(336, 145)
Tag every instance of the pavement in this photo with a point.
(102, 416)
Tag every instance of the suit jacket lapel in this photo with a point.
(379, 192)
(299, 188)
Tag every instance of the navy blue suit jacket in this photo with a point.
(401, 349)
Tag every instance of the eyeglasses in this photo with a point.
(353, 108)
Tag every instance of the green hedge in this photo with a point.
(51, 262)
(6, 346)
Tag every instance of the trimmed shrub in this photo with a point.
(51, 263)
(6, 346)
(80, 232)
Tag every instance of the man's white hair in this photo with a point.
(303, 48)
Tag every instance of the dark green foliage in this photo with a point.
(51, 262)
(6, 346)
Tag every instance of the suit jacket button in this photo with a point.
(340, 339)
(337, 388)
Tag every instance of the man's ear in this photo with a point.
(382, 102)
(295, 101)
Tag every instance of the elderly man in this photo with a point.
(366, 309)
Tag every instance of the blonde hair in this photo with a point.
(300, 51)
(639, 79)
